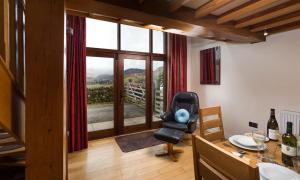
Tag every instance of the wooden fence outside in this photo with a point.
(136, 94)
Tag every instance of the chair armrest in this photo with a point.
(192, 123)
(193, 119)
(166, 116)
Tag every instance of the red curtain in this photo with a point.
(76, 83)
(177, 66)
(207, 66)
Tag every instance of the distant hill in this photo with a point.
(134, 71)
(90, 79)
(158, 71)
(108, 77)
(104, 77)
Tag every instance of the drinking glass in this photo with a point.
(259, 137)
(298, 145)
(296, 164)
(279, 137)
(269, 154)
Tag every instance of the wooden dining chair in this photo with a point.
(211, 125)
(214, 163)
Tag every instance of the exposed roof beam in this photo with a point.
(245, 10)
(154, 13)
(210, 7)
(176, 4)
(140, 1)
(270, 15)
(276, 23)
(285, 28)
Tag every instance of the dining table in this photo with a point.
(250, 157)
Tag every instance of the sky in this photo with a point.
(99, 65)
(103, 34)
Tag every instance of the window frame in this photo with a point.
(117, 53)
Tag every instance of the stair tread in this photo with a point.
(7, 141)
(13, 152)
(13, 163)
(4, 135)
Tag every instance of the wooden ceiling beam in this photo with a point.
(155, 13)
(176, 4)
(289, 27)
(278, 22)
(210, 7)
(245, 10)
(270, 14)
(141, 1)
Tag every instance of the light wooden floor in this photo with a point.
(104, 160)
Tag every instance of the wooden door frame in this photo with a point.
(114, 131)
(121, 125)
(118, 72)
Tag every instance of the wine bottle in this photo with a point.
(272, 127)
(289, 145)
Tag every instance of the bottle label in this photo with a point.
(273, 134)
(288, 150)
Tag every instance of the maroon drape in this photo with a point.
(207, 66)
(177, 66)
(76, 83)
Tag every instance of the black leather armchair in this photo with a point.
(182, 100)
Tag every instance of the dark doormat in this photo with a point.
(137, 141)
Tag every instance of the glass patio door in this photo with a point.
(124, 94)
(100, 86)
(133, 93)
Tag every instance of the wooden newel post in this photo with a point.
(45, 90)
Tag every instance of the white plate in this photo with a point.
(250, 134)
(244, 140)
(252, 148)
(269, 171)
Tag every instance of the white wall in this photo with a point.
(254, 78)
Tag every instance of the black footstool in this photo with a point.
(171, 136)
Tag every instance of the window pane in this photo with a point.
(134, 38)
(158, 42)
(99, 82)
(101, 34)
(135, 92)
(158, 89)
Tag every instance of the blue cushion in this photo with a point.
(182, 116)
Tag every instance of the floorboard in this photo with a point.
(104, 160)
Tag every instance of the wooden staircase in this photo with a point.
(12, 155)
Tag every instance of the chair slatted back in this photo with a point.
(208, 124)
(213, 162)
